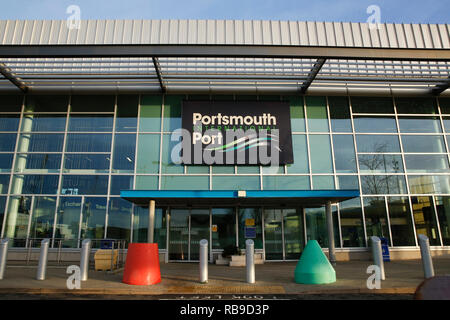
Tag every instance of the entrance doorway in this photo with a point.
(283, 234)
(186, 228)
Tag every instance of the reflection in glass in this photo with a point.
(91, 122)
(43, 217)
(250, 226)
(93, 223)
(38, 163)
(347, 183)
(4, 183)
(150, 117)
(85, 142)
(429, 184)
(41, 142)
(77, 184)
(34, 184)
(427, 163)
(352, 226)
(7, 141)
(443, 211)
(380, 163)
(273, 236)
(376, 217)
(9, 122)
(375, 124)
(19, 210)
(419, 125)
(286, 182)
(316, 226)
(294, 241)
(44, 122)
(87, 163)
(223, 229)
(416, 143)
(148, 153)
(6, 160)
(344, 153)
(297, 114)
(323, 182)
(179, 234)
(140, 226)
(124, 152)
(121, 183)
(377, 143)
(383, 184)
(68, 221)
(199, 230)
(401, 223)
(119, 219)
(425, 219)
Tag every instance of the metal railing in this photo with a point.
(59, 245)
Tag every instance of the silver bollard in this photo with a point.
(377, 254)
(42, 266)
(427, 262)
(3, 256)
(250, 260)
(203, 261)
(84, 262)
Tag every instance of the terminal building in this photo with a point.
(356, 115)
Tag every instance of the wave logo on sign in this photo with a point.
(245, 143)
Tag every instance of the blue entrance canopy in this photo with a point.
(233, 197)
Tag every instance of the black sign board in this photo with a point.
(236, 132)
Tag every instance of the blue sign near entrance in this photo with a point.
(250, 232)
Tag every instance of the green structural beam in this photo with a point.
(313, 266)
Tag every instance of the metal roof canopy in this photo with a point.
(310, 198)
(215, 68)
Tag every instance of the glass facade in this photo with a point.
(64, 160)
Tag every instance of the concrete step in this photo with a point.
(242, 263)
(257, 256)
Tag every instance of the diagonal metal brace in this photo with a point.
(8, 74)
(312, 75)
(158, 74)
(439, 88)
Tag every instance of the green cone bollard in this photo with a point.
(313, 266)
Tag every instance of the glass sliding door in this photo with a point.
(179, 234)
(199, 230)
(273, 234)
(294, 240)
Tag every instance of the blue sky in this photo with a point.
(396, 11)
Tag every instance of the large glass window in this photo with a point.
(297, 114)
(38, 163)
(127, 110)
(429, 184)
(300, 150)
(223, 228)
(416, 143)
(375, 124)
(91, 122)
(376, 217)
(19, 210)
(119, 183)
(119, 219)
(140, 226)
(187, 182)
(43, 217)
(150, 117)
(41, 142)
(90, 103)
(9, 122)
(93, 223)
(44, 103)
(6, 160)
(7, 141)
(284, 182)
(443, 211)
(401, 223)
(43, 122)
(172, 113)
(320, 148)
(416, 105)
(316, 109)
(427, 163)
(340, 114)
(377, 143)
(86, 163)
(372, 105)
(352, 226)
(425, 219)
(124, 152)
(344, 153)
(68, 221)
(84, 142)
(419, 125)
(383, 184)
(148, 153)
(380, 163)
(77, 184)
(4, 183)
(236, 182)
(250, 226)
(316, 226)
(35, 184)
